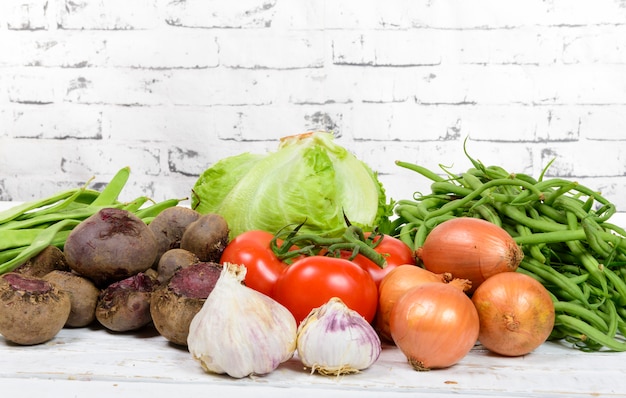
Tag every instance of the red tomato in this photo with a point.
(310, 282)
(395, 252)
(252, 249)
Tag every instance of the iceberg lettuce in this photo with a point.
(309, 179)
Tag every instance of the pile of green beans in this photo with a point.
(564, 229)
(28, 228)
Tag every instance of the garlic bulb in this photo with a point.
(335, 340)
(239, 331)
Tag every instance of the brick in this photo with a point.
(190, 159)
(220, 13)
(595, 44)
(604, 122)
(398, 14)
(261, 123)
(25, 14)
(413, 47)
(34, 85)
(590, 159)
(581, 12)
(301, 14)
(157, 124)
(52, 121)
(578, 84)
(459, 14)
(128, 48)
(162, 48)
(270, 48)
(170, 86)
(77, 157)
(108, 14)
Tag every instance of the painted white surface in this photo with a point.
(170, 87)
(96, 363)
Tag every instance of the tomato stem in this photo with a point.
(352, 240)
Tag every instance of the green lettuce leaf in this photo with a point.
(309, 180)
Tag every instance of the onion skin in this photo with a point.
(516, 313)
(469, 248)
(435, 325)
(393, 285)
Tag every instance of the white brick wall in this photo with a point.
(169, 87)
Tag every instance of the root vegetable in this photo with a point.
(174, 305)
(206, 237)
(173, 260)
(109, 246)
(435, 325)
(169, 226)
(516, 313)
(83, 296)
(125, 305)
(397, 282)
(32, 310)
(469, 248)
(49, 259)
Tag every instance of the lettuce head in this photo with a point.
(308, 180)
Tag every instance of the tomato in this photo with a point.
(395, 252)
(311, 281)
(252, 249)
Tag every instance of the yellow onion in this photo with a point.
(469, 248)
(516, 313)
(435, 325)
(393, 285)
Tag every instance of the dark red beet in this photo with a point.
(174, 305)
(125, 305)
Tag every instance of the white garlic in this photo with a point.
(335, 340)
(240, 331)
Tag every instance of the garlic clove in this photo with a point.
(336, 340)
(239, 331)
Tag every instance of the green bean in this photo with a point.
(18, 210)
(534, 250)
(446, 187)
(600, 246)
(406, 232)
(563, 189)
(518, 216)
(587, 260)
(22, 237)
(113, 189)
(477, 192)
(426, 227)
(579, 311)
(590, 332)
(157, 208)
(41, 241)
(134, 205)
(56, 207)
(487, 212)
(422, 170)
(554, 277)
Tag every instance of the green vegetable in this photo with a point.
(563, 227)
(308, 180)
(28, 228)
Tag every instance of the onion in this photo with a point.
(469, 248)
(393, 285)
(435, 325)
(516, 313)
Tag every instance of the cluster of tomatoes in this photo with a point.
(308, 282)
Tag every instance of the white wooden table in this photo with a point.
(96, 363)
(93, 362)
